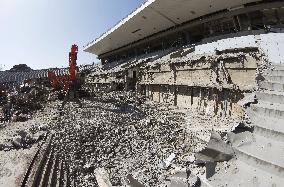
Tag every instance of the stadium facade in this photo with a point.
(204, 55)
(159, 25)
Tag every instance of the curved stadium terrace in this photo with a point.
(10, 78)
(162, 24)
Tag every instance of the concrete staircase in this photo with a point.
(260, 162)
(264, 156)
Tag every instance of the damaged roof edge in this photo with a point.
(120, 23)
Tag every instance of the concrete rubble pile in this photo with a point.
(19, 103)
(19, 141)
(22, 137)
(122, 138)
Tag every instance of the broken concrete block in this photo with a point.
(178, 182)
(179, 172)
(240, 138)
(102, 177)
(190, 158)
(22, 133)
(182, 177)
(38, 136)
(210, 169)
(217, 150)
(247, 100)
(193, 180)
(166, 163)
(2, 147)
(18, 142)
(133, 182)
(8, 146)
(29, 139)
(42, 127)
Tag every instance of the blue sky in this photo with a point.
(39, 33)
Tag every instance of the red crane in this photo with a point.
(72, 94)
(57, 82)
(69, 82)
(72, 62)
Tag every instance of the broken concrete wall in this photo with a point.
(212, 84)
(232, 70)
(193, 77)
(208, 83)
(168, 94)
(157, 78)
(272, 44)
(154, 92)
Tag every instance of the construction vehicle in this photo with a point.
(68, 85)
(58, 82)
(72, 94)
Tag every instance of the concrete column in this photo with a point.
(187, 37)
(147, 90)
(125, 82)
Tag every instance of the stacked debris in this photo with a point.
(117, 138)
(121, 139)
(19, 142)
(23, 138)
(116, 133)
(21, 102)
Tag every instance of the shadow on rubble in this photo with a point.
(121, 106)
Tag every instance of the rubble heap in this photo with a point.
(122, 137)
(21, 102)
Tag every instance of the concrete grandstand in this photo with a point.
(209, 57)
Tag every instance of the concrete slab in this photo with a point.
(267, 109)
(270, 96)
(264, 153)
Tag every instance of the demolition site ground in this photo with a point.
(115, 139)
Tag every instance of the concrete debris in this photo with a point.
(22, 139)
(166, 163)
(19, 142)
(19, 103)
(102, 178)
(240, 138)
(133, 182)
(122, 139)
(190, 158)
(210, 169)
(130, 138)
(247, 100)
(216, 151)
(126, 137)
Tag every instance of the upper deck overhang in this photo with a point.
(155, 16)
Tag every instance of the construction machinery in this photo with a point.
(68, 84)
(74, 77)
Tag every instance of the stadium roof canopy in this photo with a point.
(155, 16)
